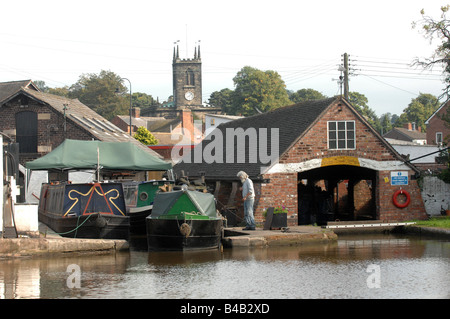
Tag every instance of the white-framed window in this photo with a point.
(439, 138)
(341, 135)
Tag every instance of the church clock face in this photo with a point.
(189, 95)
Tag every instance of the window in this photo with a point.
(341, 135)
(27, 132)
(190, 80)
(439, 138)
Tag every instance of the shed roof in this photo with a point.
(291, 121)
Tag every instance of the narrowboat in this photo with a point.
(139, 197)
(89, 210)
(184, 220)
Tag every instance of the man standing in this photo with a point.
(248, 195)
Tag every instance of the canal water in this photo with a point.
(369, 266)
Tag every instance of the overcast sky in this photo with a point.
(57, 41)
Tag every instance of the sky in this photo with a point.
(57, 41)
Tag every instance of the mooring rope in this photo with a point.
(76, 228)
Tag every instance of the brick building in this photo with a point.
(39, 121)
(327, 163)
(437, 131)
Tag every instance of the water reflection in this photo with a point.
(410, 268)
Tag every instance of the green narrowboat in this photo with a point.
(184, 220)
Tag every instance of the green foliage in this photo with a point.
(223, 99)
(306, 95)
(145, 137)
(142, 100)
(103, 93)
(258, 91)
(441, 222)
(437, 29)
(419, 110)
(277, 210)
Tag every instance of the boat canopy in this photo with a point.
(175, 202)
(77, 154)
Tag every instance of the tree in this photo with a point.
(41, 85)
(142, 100)
(305, 95)
(222, 99)
(440, 30)
(419, 110)
(64, 91)
(258, 91)
(144, 136)
(103, 92)
(386, 123)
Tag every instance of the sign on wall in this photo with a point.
(399, 178)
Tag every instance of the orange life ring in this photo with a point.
(406, 203)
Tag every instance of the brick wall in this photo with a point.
(436, 124)
(51, 131)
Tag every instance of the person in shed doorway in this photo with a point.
(248, 195)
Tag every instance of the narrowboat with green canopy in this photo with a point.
(90, 210)
(184, 220)
(139, 198)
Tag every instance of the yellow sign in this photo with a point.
(340, 160)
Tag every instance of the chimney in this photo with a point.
(136, 112)
(408, 126)
(187, 123)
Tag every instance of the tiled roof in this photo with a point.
(83, 116)
(292, 121)
(8, 89)
(405, 134)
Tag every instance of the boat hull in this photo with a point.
(137, 219)
(169, 234)
(92, 226)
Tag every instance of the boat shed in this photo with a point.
(320, 160)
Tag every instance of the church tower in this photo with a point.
(187, 80)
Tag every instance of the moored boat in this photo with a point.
(139, 197)
(184, 220)
(90, 210)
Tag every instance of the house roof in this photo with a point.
(82, 115)
(163, 125)
(292, 122)
(8, 89)
(404, 134)
(138, 121)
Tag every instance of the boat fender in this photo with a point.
(395, 200)
(100, 222)
(185, 230)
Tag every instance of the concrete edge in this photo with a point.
(428, 231)
(277, 239)
(20, 247)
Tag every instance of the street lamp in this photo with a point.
(131, 107)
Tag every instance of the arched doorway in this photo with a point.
(338, 192)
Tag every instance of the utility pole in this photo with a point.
(346, 76)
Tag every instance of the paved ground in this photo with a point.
(236, 237)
